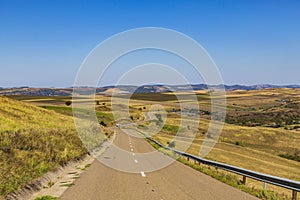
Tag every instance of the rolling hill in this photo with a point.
(27, 91)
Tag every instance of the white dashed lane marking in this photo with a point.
(143, 174)
(135, 160)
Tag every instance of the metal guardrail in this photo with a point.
(274, 180)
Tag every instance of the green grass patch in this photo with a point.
(170, 128)
(60, 109)
(46, 198)
(104, 117)
(67, 185)
(85, 167)
(290, 157)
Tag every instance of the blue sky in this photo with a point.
(43, 43)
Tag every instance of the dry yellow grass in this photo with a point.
(33, 141)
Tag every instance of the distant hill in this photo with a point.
(35, 91)
(132, 89)
(258, 87)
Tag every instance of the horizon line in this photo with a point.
(158, 84)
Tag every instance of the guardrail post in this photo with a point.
(244, 180)
(294, 195)
(187, 158)
(265, 185)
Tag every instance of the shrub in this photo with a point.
(103, 123)
(68, 103)
(172, 144)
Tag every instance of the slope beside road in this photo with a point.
(176, 181)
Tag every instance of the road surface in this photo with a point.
(174, 182)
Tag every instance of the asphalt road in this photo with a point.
(176, 181)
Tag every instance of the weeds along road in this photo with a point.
(175, 181)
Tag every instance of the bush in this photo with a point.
(68, 103)
(172, 144)
(103, 123)
(294, 157)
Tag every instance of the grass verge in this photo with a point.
(33, 141)
(225, 177)
(46, 198)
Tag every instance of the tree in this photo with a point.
(68, 103)
(103, 123)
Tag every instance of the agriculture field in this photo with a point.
(257, 105)
(270, 146)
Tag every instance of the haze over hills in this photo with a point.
(133, 89)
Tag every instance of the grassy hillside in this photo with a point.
(33, 141)
(272, 108)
